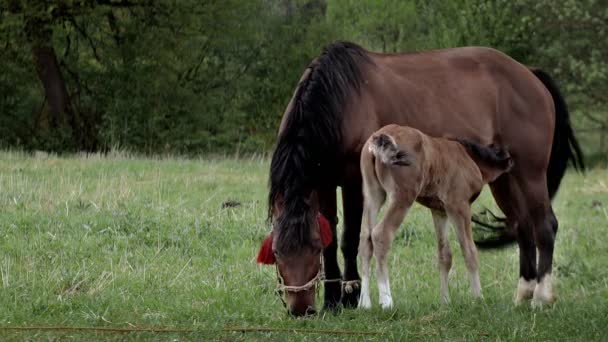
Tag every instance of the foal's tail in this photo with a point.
(385, 148)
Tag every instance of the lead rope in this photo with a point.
(348, 286)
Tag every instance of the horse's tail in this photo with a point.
(565, 147)
(384, 148)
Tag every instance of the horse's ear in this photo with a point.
(325, 231)
(265, 255)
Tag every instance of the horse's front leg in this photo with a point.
(333, 287)
(352, 199)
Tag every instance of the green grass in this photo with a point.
(123, 241)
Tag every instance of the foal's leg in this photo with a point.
(444, 254)
(460, 217)
(374, 198)
(382, 237)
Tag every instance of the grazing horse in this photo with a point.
(444, 175)
(472, 93)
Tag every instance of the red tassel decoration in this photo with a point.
(265, 255)
(325, 231)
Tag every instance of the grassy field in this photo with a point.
(122, 242)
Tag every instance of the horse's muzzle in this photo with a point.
(302, 311)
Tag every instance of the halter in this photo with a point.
(347, 285)
(281, 287)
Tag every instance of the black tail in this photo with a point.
(565, 147)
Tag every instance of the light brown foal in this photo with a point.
(444, 175)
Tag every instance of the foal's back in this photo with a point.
(436, 171)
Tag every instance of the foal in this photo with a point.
(444, 175)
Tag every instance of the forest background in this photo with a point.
(194, 77)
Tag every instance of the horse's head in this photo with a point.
(295, 247)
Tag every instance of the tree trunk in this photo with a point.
(59, 112)
(49, 73)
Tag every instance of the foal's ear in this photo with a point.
(325, 231)
(265, 255)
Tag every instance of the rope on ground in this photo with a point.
(177, 330)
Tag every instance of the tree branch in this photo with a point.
(121, 3)
(86, 36)
(592, 118)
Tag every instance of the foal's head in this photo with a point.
(295, 246)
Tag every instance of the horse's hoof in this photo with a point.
(543, 303)
(333, 293)
(525, 290)
(540, 301)
(333, 308)
(543, 293)
(350, 294)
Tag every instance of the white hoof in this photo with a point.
(543, 293)
(525, 290)
(386, 302)
(365, 302)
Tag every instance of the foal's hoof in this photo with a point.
(365, 303)
(351, 290)
(386, 303)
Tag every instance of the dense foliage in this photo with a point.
(191, 76)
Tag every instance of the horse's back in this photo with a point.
(475, 93)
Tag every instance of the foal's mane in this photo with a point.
(311, 139)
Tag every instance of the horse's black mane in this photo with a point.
(310, 141)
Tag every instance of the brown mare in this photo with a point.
(402, 165)
(472, 93)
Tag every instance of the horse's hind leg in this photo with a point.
(444, 254)
(511, 200)
(374, 198)
(545, 230)
(460, 216)
(382, 237)
(525, 201)
(544, 224)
